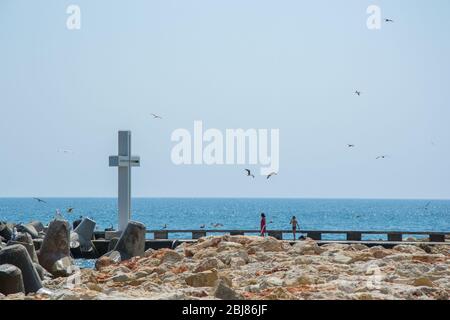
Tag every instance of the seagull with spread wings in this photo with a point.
(66, 151)
(155, 116)
(249, 173)
(271, 174)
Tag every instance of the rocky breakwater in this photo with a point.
(22, 269)
(242, 267)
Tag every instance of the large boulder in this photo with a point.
(268, 244)
(18, 256)
(132, 241)
(203, 279)
(6, 231)
(82, 235)
(10, 279)
(25, 240)
(28, 228)
(306, 247)
(38, 226)
(223, 291)
(43, 274)
(112, 243)
(54, 254)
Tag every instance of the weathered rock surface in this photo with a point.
(224, 292)
(82, 235)
(132, 241)
(203, 279)
(5, 231)
(10, 279)
(28, 228)
(18, 256)
(26, 240)
(235, 267)
(54, 254)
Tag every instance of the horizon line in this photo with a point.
(225, 197)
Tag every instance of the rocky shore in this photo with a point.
(244, 267)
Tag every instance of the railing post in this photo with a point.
(161, 235)
(276, 234)
(437, 237)
(314, 235)
(353, 236)
(393, 236)
(198, 234)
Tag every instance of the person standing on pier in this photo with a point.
(263, 225)
(294, 224)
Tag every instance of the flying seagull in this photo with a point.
(249, 173)
(155, 116)
(39, 200)
(388, 20)
(65, 151)
(358, 93)
(217, 225)
(426, 206)
(382, 157)
(272, 174)
(58, 214)
(350, 145)
(165, 226)
(70, 210)
(202, 226)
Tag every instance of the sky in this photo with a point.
(287, 64)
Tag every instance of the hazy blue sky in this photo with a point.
(292, 65)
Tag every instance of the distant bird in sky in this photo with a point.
(271, 174)
(58, 214)
(155, 116)
(65, 151)
(350, 145)
(39, 200)
(217, 225)
(382, 157)
(358, 93)
(249, 173)
(70, 210)
(388, 20)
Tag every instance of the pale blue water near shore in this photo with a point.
(191, 213)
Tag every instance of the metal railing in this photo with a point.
(313, 234)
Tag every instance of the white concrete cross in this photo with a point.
(124, 161)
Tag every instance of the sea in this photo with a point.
(242, 213)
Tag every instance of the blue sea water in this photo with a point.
(242, 213)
